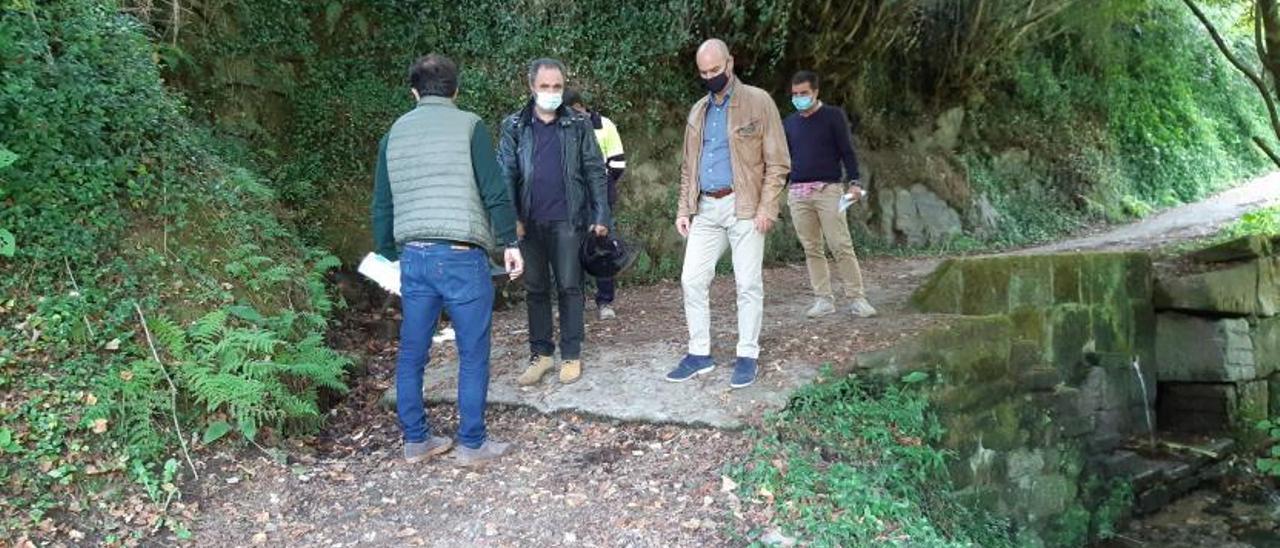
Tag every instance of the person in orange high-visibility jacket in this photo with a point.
(615, 164)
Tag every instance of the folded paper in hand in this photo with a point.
(385, 273)
(847, 200)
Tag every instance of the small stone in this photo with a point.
(260, 538)
(570, 538)
(774, 537)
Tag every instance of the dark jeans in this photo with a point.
(547, 247)
(605, 287)
(433, 278)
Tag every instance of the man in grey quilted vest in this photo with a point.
(553, 166)
(440, 205)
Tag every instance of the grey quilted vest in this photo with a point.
(433, 187)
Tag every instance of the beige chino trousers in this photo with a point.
(714, 228)
(816, 218)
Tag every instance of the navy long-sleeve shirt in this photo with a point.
(819, 144)
(493, 191)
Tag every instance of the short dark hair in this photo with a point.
(806, 76)
(545, 62)
(434, 74)
(572, 97)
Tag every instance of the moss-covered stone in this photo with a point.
(972, 397)
(1273, 395)
(1030, 282)
(1231, 291)
(985, 286)
(1071, 330)
(1266, 346)
(1112, 325)
(1253, 401)
(1001, 427)
(965, 350)
(1239, 249)
(1268, 286)
(1138, 277)
(1066, 279)
(1191, 348)
(1102, 278)
(941, 292)
(1143, 337)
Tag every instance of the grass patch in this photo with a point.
(852, 463)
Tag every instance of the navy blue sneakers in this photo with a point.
(690, 367)
(744, 373)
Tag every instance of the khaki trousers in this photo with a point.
(716, 227)
(816, 217)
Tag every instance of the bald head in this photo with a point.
(713, 58)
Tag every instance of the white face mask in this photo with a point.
(548, 101)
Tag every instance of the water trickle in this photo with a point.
(1146, 402)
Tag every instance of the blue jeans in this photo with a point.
(432, 278)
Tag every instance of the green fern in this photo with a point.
(228, 366)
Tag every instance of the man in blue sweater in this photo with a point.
(819, 140)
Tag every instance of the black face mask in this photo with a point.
(716, 83)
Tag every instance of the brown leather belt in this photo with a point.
(717, 194)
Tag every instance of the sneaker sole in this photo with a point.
(822, 315)
(478, 463)
(432, 453)
(697, 373)
(749, 383)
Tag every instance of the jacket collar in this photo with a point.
(436, 100)
(564, 114)
(730, 96)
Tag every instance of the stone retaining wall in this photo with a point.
(1218, 336)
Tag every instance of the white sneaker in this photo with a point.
(821, 307)
(605, 312)
(861, 308)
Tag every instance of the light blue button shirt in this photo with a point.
(715, 171)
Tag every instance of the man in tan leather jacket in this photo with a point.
(735, 166)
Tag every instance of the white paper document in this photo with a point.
(383, 272)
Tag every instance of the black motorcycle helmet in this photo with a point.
(605, 256)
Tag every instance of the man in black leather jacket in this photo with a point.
(552, 164)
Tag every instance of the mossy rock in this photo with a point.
(1072, 328)
(1230, 292)
(985, 288)
(941, 292)
(1239, 249)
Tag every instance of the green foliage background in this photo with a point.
(1089, 112)
(204, 171)
(116, 203)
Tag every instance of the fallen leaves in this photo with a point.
(99, 426)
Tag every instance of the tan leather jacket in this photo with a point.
(757, 152)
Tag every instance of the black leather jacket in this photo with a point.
(586, 189)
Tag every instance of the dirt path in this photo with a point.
(578, 479)
(1187, 222)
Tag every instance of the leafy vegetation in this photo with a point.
(852, 462)
(162, 279)
(115, 210)
(308, 87)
